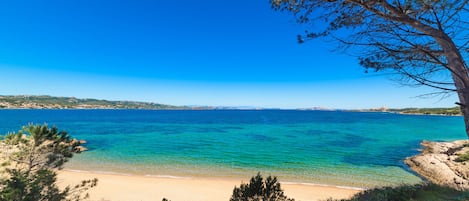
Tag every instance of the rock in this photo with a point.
(458, 181)
(74, 142)
(436, 163)
(79, 149)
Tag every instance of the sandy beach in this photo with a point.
(113, 187)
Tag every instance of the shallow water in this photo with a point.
(325, 147)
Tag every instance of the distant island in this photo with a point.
(51, 102)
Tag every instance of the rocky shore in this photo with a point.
(440, 163)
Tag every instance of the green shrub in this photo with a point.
(417, 192)
(462, 157)
(259, 189)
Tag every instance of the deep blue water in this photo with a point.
(327, 147)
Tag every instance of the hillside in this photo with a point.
(50, 102)
(429, 111)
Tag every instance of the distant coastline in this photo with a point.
(52, 102)
(454, 111)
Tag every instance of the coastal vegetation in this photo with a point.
(463, 157)
(269, 189)
(51, 102)
(29, 159)
(429, 111)
(420, 43)
(259, 189)
(417, 192)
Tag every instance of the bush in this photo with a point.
(463, 157)
(258, 189)
(418, 192)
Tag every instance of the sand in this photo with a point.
(114, 187)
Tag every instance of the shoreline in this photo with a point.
(323, 175)
(115, 187)
(188, 177)
(422, 114)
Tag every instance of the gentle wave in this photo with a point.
(167, 176)
(98, 172)
(185, 178)
(125, 174)
(324, 185)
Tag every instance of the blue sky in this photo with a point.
(208, 52)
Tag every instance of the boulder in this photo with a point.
(79, 149)
(74, 142)
(437, 164)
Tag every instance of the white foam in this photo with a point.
(323, 185)
(166, 176)
(178, 177)
(99, 172)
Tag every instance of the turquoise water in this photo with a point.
(334, 148)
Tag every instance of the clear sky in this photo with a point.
(208, 52)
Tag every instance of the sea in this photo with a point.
(337, 148)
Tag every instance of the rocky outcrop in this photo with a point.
(77, 145)
(437, 163)
(79, 149)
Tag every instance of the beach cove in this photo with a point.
(305, 149)
(117, 187)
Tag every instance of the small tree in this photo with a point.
(260, 190)
(31, 157)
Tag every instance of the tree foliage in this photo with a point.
(425, 42)
(384, 35)
(259, 189)
(30, 157)
(38, 147)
